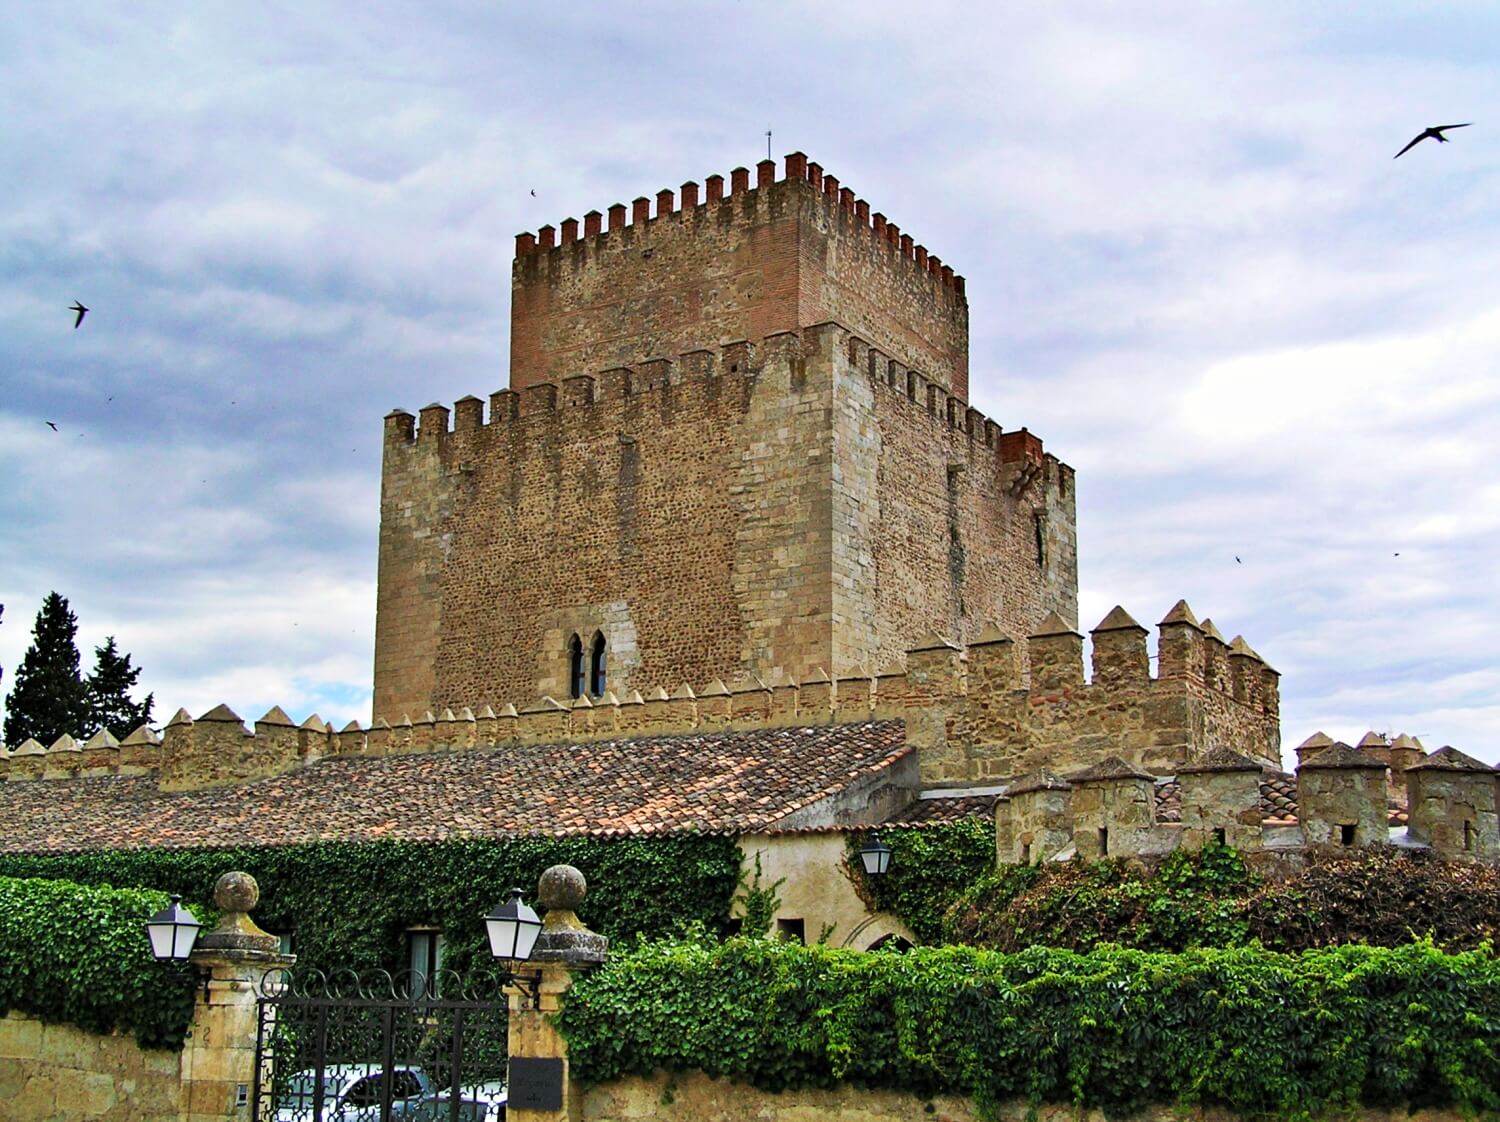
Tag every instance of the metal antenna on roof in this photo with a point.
(768, 144)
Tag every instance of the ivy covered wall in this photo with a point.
(351, 904)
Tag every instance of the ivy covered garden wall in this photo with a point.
(1250, 1029)
(79, 954)
(351, 904)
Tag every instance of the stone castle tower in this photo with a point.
(736, 442)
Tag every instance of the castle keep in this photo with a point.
(734, 555)
(736, 443)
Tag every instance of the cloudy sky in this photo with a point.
(1193, 267)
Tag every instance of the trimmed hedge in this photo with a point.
(1250, 1029)
(80, 955)
(349, 904)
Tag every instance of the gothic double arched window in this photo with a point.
(587, 670)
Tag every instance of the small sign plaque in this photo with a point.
(535, 1084)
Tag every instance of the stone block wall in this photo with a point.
(695, 1097)
(61, 1073)
(769, 509)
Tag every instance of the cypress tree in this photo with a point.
(108, 693)
(48, 698)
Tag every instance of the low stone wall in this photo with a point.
(697, 1098)
(63, 1074)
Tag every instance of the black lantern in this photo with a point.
(513, 928)
(173, 930)
(876, 855)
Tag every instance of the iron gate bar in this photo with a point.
(378, 1028)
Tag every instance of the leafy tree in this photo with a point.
(49, 697)
(108, 693)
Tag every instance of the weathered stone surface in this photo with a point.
(62, 1073)
(694, 1097)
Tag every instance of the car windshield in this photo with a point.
(300, 1089)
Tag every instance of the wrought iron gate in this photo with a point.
(373, 1047)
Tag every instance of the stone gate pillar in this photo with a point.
(218, 1058)
(540, 1085)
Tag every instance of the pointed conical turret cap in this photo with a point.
(486, 714)
(1316, 741)
(1220, 758)
(508, 710)
(180, 718)
(1118, 620)
(221, 713)
(426, 718)
(1053, 624)
(102, 739)
(143, 735)
(659, 694)
(635, 698)
(1404, 741)
(276, 716)
(1111, 767)
(582, 702)
(466, 714)
(314, 723)
(447, 715)
(30, 747)
(818, 677)
(683, 692)
(1341, 755)
(352, 726)
(1373, 739)
(607, 699)
(1238, 646)
(65, 743)
(1451, 759)
(990, 633)
(1213, 632)
(1180, 613)
(716, 688)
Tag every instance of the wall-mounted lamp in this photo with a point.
(513, 928)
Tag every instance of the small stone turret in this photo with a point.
(1317, 742)
(1341, 798)
(1040, 817)
(1451, 806)
(1114, 808)
(1221, 800)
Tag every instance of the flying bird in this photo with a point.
(1435, 132)
(81, 310)
(52, 425)
(533, 192)
(1237, 560)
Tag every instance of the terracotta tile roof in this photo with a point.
(1168, 800)
(1278, 796)
(732, 783)
(930, 812)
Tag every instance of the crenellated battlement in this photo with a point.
(1338, 798)
(964, 687)
(745, 262)
(683, 205)
(667, 386)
